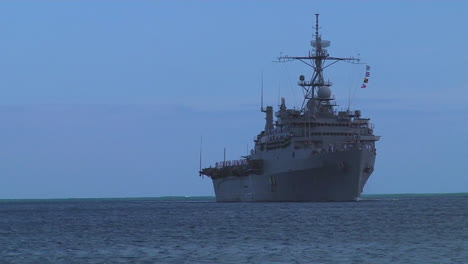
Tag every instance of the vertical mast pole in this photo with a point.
(261, 100)
(201, 144)
(316, 27)
(318, 47)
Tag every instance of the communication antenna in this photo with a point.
(279, 93)
(349, 97)
(317, 24)
(201, 144)
(261, 97)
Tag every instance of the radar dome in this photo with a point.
(324, 92)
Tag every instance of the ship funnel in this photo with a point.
(283, 104)
(269, 118)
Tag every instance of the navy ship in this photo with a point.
(312, 153)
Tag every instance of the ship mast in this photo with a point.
(316, 59)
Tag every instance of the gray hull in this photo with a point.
(333, 176)
(311, 153)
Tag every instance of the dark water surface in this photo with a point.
(430, 229)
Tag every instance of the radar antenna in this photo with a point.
(316, 59)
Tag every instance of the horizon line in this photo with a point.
(206, 197)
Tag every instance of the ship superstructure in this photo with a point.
(314, 153)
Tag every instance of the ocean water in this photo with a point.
(378, 229)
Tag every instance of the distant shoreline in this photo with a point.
(212, 198)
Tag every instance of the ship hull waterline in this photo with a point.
(338, 177)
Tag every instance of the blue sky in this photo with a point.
(109, 98)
